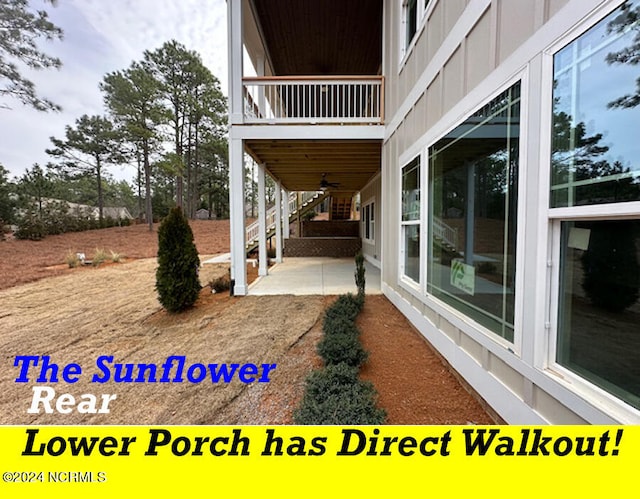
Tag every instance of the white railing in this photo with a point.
(445, 233)
(253, 229)
(327, 100)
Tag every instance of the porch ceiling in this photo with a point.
(299, 164)
(321, 37)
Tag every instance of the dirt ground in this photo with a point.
(78, 315)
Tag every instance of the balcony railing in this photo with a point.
(314, 100)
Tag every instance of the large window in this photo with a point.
(473, 178)
(596, 161)
(596, 114)
(410, 223)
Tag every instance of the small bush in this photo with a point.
(220, 284)
(336, 326)
(359, 275)
(115, 257)
(72, 260)
(177, 281)
(346, 306)
(99, 256)
(342, 349)
(335, 396)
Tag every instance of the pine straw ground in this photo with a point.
(77, 315)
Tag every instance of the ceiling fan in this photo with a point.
(325, 184)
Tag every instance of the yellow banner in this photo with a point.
(318, 461)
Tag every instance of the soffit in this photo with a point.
(321, 37)
(300, 164)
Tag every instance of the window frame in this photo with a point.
(572, 380)
(433, 301)
(368, 223)
(423, 11)
(553, 219)
(405, 281)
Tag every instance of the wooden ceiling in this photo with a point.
(321, 37)
(300, 164)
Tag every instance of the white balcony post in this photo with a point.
(237, 217)
(234, 26)
(285, 219)
(262, 222)
(278, 222)
(261, 100)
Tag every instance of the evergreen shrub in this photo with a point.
(335, 396)
(359, 274)
(346, 306)
(177, 281)
(335, 326)
(342, 348)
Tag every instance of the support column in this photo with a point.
(235, 56)
(236, 216)
(285, 220)
(278, 222)
(262, 223)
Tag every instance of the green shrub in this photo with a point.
(359, 275)
(31, 227)
(346, 306)
(336, 326)
(177, 281)
(335, 396)
(342, 348)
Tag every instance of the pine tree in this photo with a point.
(21, 29)
(177, 279)
(88, 148)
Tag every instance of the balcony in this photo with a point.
(342, 100)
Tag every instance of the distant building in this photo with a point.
(202, 214)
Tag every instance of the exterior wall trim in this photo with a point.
(316, 132)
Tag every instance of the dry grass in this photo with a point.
(113, 310)
(23, 261)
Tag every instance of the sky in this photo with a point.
(101, 36)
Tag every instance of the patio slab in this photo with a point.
(315, 276)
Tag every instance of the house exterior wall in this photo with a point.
(463, 54)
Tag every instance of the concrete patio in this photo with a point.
(315, 276)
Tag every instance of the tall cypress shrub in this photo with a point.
(177, 279)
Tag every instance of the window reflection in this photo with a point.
(472, 214)
(599, 313)
(595, 150)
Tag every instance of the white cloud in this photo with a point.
(101, 36)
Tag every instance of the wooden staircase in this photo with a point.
(341, 207)
(309, 201)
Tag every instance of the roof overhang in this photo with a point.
(319, 37)
(300, 164)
